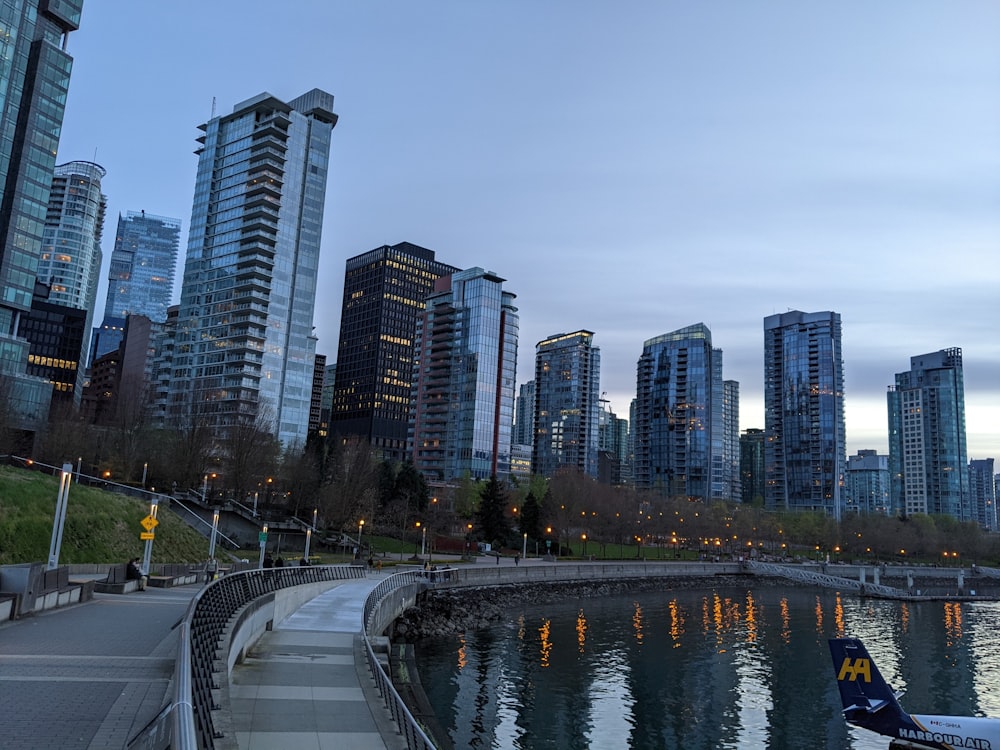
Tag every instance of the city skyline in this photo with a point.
(628, 173)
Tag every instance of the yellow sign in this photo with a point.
(147, 536)
(149, 523)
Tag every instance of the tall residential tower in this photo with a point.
(244, 346)
(464, 370)
(804, 445)
(928, 463)
(567, 402)
(679, 423)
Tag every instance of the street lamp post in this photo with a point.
(215, 529)
(584, 538)
(145, 468)
(361, 528)
(204, 489)
(423, 540)
(524, 546)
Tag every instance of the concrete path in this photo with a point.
(306, 685)
(89, 675)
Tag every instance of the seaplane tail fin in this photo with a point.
(867, 699)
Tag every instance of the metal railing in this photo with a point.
(409, 727)
(186, 722)
(825, 580)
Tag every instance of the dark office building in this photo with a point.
(55, 335)
(385, 291)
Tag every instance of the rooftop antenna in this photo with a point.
(213, 108)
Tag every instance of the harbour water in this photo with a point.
(703, 669)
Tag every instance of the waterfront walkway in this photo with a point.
(89, 675)
(305, 684)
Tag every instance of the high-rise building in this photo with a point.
(730, 486)
(567, 395)
(34, 73)
(56, 333)
(982, 485)
(678, 423)
(612, 444)
(70, 262)
(524, 415)
(385, 291)
(804, 446)
(928, 462)
(866, 483)
(752, 466)
(464, 370)
(316, 423)
(140, 277)
(245, 348)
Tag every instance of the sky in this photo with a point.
(629, 168)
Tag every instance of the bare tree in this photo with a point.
(351, 490)
(249, 451)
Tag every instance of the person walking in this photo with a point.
(517, 559)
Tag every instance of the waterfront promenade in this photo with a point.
(89, 675)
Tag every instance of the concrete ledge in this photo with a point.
(125, 587)
(7, 606)
(166, 582)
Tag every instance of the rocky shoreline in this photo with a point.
(455, 611)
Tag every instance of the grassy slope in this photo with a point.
(100, 526)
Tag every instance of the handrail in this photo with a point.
(186, 722)
(409, 727)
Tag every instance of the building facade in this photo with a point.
(678, 425)
(866, 483)
(464, 379)
(730, 485)
(804, 445)
(34, 74)
(524, 415)
(567, 403)
(140, 276)
(245, 349)
(982, 485)
(56, 333)
(752, 466)
(385, 293)
(927, 454)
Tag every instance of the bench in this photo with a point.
(116, 582)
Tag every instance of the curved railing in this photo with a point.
(186, 721)
(409, 727)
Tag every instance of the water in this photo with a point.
(702, 669)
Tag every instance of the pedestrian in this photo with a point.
(378, 566)
(134, 573)
(498, 558)
(268, 561)
(303, 563)
(517, 559)
(279, 562)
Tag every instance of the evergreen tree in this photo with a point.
(492, 519)
(531, 517)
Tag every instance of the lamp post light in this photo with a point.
(263, 546)
(423, 540)
(584, 538)
(215, 529)
(204, 489)
(524, 546)
(145, 468)
(79, 467)
(361, 528)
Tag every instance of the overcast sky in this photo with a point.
(630, 168)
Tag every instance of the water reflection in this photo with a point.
(725, 668)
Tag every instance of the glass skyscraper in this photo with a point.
(70, 262)
(867, 483)
(928, 462)
(34, 82)
(982, 484)
(244, 347)
(567, 401)
(678, 424)
(804, 445)
(385, 293)
(141, 275)
(464, 369)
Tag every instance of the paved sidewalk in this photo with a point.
(91, 675)
(305, 684)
